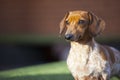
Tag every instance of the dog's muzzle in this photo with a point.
(71, 37)
(68, 36)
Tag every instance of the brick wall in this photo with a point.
(43, 16)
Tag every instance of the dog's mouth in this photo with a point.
(80, 37)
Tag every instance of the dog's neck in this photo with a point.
(82, 51)
(86, 44)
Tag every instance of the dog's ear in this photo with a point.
(96, 25)
(63, 23)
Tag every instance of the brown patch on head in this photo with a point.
(111, 54)
(73, 18)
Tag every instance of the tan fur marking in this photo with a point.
(93, 78)
(86, 78)
(86, 37)
(76, 78)
(111, 54)
(73, 18)
(103, 54)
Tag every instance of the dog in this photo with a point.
(87, 59)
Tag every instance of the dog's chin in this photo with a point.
(78, 38)
(70, 40)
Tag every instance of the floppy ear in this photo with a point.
(96, 25)
(63, 24)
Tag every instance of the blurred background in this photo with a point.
(29, 29)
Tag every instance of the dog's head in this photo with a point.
(80, 25)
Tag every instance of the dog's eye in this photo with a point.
(67, 22)
(81, 22)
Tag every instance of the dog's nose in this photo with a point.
(68, 36)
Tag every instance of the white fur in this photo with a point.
(85, 60)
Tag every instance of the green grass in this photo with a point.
(51, 71)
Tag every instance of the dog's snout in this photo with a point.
(68, 36)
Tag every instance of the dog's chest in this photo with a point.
(82, 61)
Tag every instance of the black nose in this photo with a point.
(68, 36)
